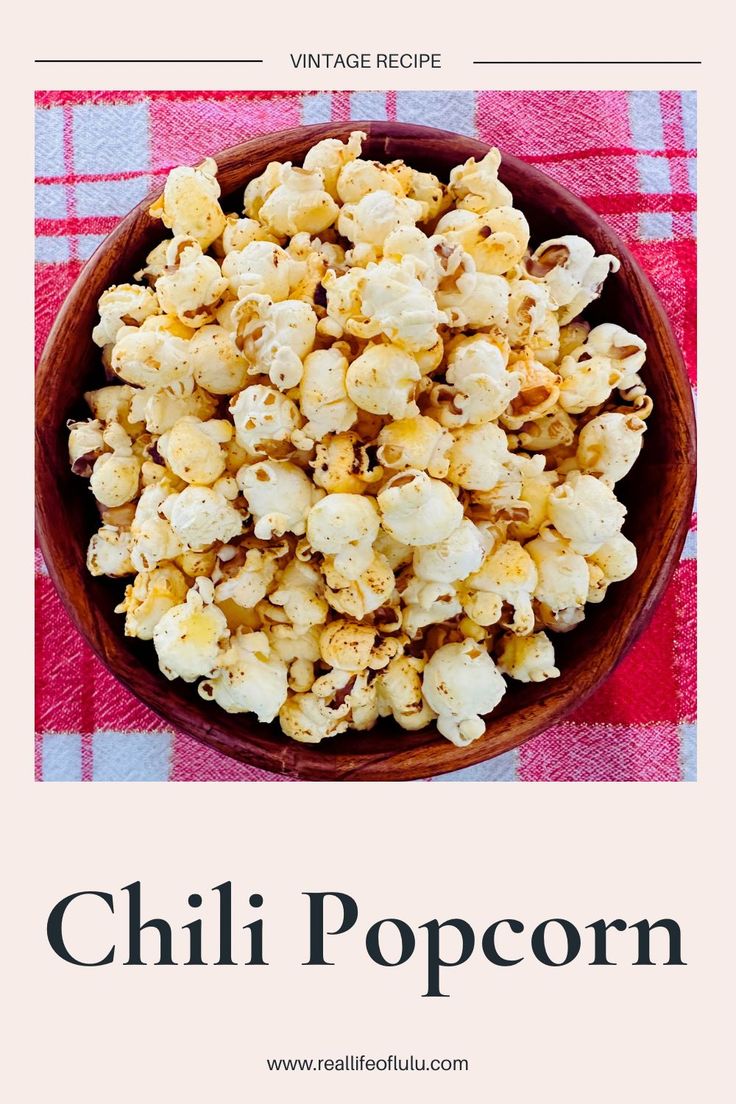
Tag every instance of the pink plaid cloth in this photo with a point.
(630, 155)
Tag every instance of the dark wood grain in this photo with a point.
(658, 493)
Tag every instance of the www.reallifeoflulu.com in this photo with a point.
(359, 1062)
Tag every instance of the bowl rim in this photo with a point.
(318, 762)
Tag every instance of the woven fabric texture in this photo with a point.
(630, 155)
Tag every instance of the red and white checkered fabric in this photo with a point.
(630, 155)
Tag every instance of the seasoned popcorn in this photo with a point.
(461, 683)
(609, 445)
(192, 285)
(108, 552)
(149, 597)
(189, 204)
(115, 475)
(344, 527)
(323, 395)
(417, 510)
(123, 305)
(585, 511)
(279, 496)
(193, 449)
(527, 658)
(199, 516)
(382, 380)
(249, 677)
(298, 202)
(189, 636)
(357, 450)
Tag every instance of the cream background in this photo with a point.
(477, 851)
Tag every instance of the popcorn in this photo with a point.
(562, 574)
(238, 233)
(110, 404)
(196, 563)
(586, 380)
(263, 418)
(323, 395)
(553, 430)
(342, 465)
(609, 445)
(348, 646)
(428, 190)
(357, 597)
(194, 289)
(330, 156)
(299, 651)
(86, 444)
(115, 475)
(496, 240)
(375, 216)
(479, 301)
(299, 594)
(199, 516)
(483, 386)
(248, 678)
(529, 511)
(507, 575)
(263, 268)
(193, 449)
(122, 305)
(358, 456)
(298, 202)
(456, 557)
(279, 496)
(108, 552)
(188, 637)
(475, 185)
(477, 456)
(572, 273)
(527, 658)
(585, 510)
(382, 380)
(217, 364)
(154, 353)
(532, 319)
(431, 258)
(246, 579)
(461, 683)
(359, 178)
(624, 349)
(385, 298)
(160, 410)
(418, 510)
(418, 443)
(261, 187)
(309, 719)
(399, 694)
(539, 391)
(427, 604)
(344, 527)
(275, 337)
(152, 538)
(151, 595)
(616, 558)
(189, 203)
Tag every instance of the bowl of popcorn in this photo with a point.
(363, 452)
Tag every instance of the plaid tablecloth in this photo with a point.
(631, 155)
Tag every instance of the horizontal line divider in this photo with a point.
(630, 61)
(148, 61)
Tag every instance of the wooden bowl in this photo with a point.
(658, 493)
